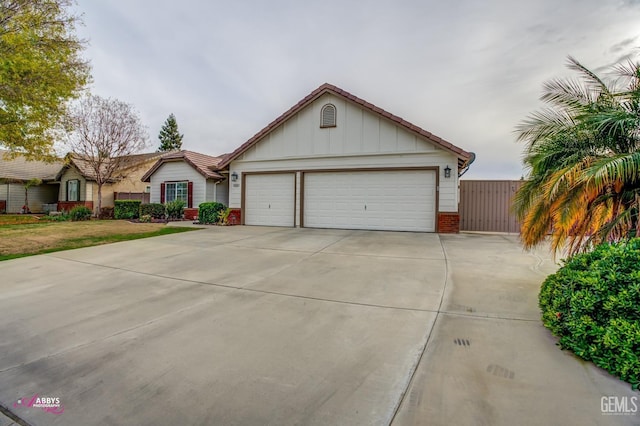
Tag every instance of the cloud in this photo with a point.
(466, 71)
(624, 44)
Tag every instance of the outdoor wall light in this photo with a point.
(447, 172)
(234, 177)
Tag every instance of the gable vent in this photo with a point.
(328, 116)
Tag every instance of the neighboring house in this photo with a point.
(15, 172)
(188, 176)
(336, 161)
(78, 181)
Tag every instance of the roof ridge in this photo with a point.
(205, 164)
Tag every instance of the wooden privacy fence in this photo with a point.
(485, 205)
(145, 197)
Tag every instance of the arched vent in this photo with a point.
(328, 116)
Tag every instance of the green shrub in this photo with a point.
(60, 217)
(592, 303)
(155, 210)
(145, 218)
(80, 213)
(209, 212)
(175, 209)
(127, 209)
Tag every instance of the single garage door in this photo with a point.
(270, 199)
(380, 200)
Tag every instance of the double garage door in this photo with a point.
(398, 200)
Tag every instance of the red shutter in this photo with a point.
(162, 193)
(190, 195)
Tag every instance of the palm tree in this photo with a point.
(583, 161)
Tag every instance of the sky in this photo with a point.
(468, 71)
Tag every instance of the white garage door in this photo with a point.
(269, 199)
(385, 200)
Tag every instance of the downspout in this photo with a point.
(215, 190)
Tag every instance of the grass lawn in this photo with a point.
(46, 237)
(16, 219)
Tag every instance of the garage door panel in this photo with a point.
(270, 199)
(380, 200)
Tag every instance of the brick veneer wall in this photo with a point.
(448, 223)
(191, 214)
(65, 206)
(234, 217)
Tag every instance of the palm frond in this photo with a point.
(583, 160)
(544, 124)
(590, 78)
(609, 171)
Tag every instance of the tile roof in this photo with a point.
(463, 156)
(20, 169)
(126, 162)
(204, 164)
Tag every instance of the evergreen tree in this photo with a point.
(170, 138)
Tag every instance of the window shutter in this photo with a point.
(190, 195)
(66, 191)
(78, 191)
(162, 193)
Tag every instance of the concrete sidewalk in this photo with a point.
(252, 325)
(6, 421)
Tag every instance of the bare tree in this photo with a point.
(102, 133)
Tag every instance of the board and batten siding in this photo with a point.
(178, 171)
(361, 139)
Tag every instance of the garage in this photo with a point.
(334, 160)
(269, 199)
(392, 200)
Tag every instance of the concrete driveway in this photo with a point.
(252, 325)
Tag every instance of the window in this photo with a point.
(73, 190)
(176, 191)
(328, 116)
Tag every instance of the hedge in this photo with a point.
(80, 213)
(127, 209)
(155, 210)
(592, 303)
(210, 212)
(175, 209)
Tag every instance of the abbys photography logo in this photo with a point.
(619, 405)
(46, 403)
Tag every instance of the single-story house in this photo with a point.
(188, 176)
(78, 180)
(337, 161)
(15, 173)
